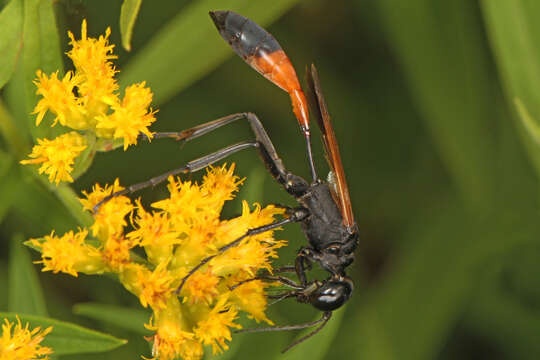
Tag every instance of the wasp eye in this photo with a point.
(333, 249)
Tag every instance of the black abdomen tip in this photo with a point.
(219, 17)
(246, 37)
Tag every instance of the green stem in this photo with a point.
(67, 197)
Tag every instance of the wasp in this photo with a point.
(324, 212)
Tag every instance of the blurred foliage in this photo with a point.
(436, 105)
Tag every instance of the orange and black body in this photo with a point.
(325, 212)
(263, 53)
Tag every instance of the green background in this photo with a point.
(436, 106)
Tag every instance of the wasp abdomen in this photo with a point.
(263, 53)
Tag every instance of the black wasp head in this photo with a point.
(332, 293)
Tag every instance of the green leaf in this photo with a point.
(531, 126)
(434, 277)
(532, 133)
(10, 39)
(41, 51)
(9, 183)
(68, 338)
(441, 50)
(128, 15)
(16, 142)
(189, 46)
(506, 321)
(513, 31)
(25, 293)
(125, 318)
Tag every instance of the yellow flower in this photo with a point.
(214, 329)
(69, 254)
(154, 232)
(58, 97)
(170, 241)
(57, 156)
(116, 252)
(91, 59)
(220, 184)
(130, 118)
(255, 252)
(152, 287)
(182, 193)
(110, 218)
(21, 343)
(87, 100)
(250, 297)
(171, 339)
(248, 257)
(98, 193)
(202, 286)
(234, 228)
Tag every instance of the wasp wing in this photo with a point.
(340, 191)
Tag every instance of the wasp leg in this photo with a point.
(287, 268)
(281, 279)
(258, 230)
(192, 166)
(326, 316)
(323, 320)
(196, 131)
(268, 277)
(303, 261)
(294, 184)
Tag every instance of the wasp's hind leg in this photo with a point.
(292, 183)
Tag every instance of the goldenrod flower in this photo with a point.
(214, 328)
(155, 233)
(202, 287)
(58, 96)
(21, 343)
(171, 339)
(116, 252)
(91, 58)
(153, 288)
(69, 254)
(182, 230)
(111, 218)
(98, 193)
(87, 100)
(130, 118)
(57, 156)
(249, 297)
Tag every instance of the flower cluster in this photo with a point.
(176, 235)
(86, 101)
(21, 343)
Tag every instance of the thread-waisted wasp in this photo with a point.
(325, 211)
